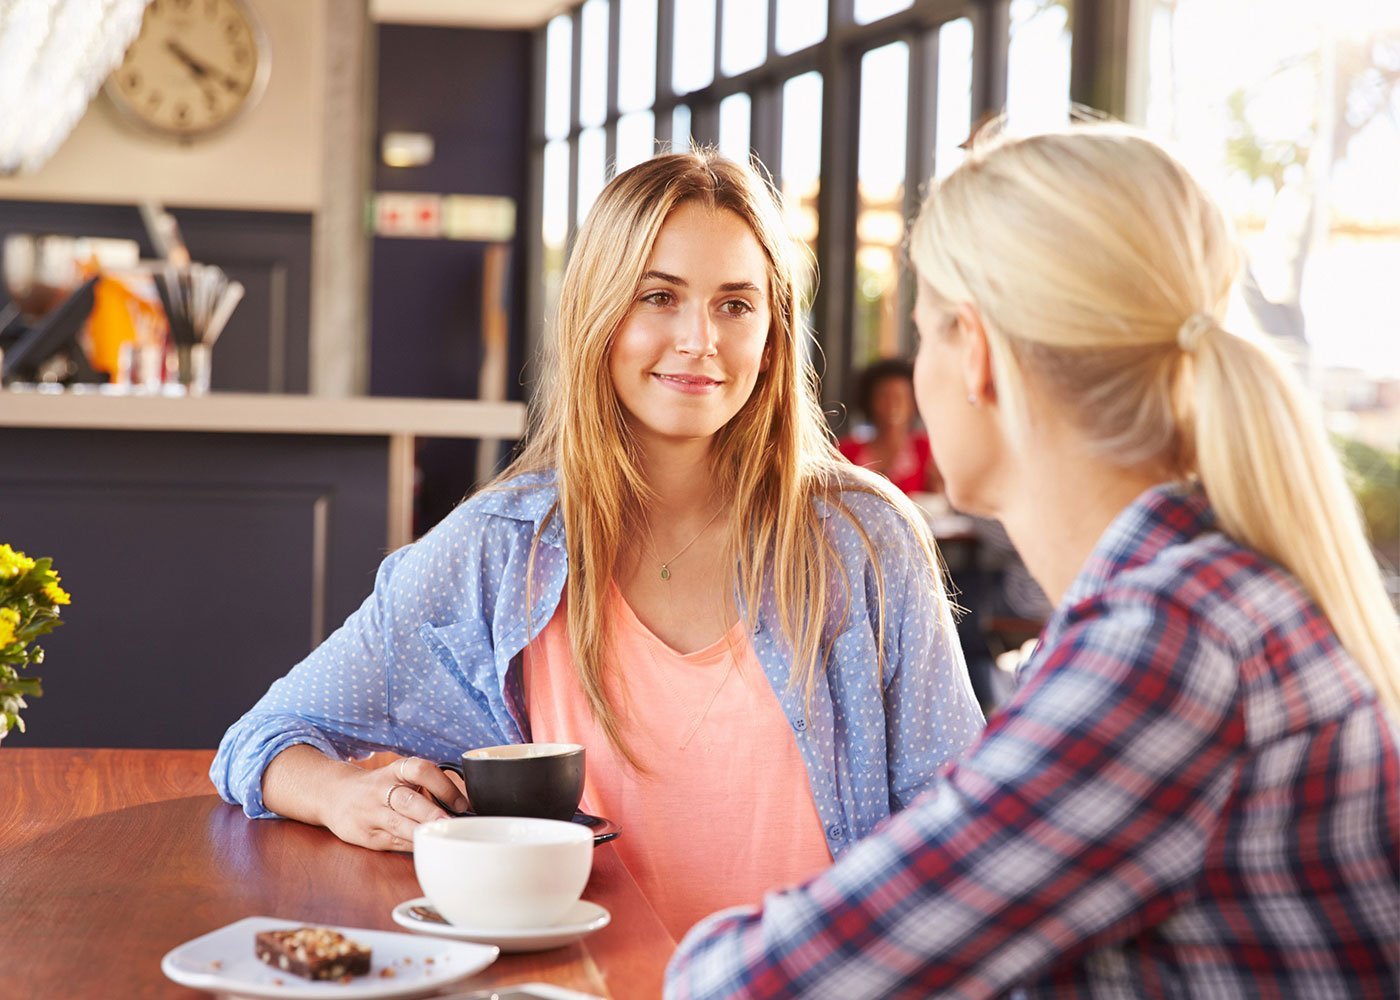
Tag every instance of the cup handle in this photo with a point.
(456, 768)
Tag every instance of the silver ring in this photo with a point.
(389, 795)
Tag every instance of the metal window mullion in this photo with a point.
(575, 77)
(611, 114)
(991, 41)
(836, 214)
(533, 240)
(1100, 37)
(719, 38)
(772, 31)
(922, 130)
(766, 127)
(665, 62)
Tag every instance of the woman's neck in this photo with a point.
(1060, 506)
(681, 481)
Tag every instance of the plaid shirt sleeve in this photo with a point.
(1082, 817)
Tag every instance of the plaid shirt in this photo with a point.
(1193, 793)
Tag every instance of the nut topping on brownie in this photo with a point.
(313, 953)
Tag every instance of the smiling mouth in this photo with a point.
(686, 381)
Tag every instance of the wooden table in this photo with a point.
(110, 858)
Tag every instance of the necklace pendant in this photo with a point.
(665, 573)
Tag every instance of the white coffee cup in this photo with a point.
(502, 871)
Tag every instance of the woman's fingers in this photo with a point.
(428, 776)
(409, 803)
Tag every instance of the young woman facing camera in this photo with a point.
(679, 573)
(1195, 791)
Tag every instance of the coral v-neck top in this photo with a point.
(725, 811)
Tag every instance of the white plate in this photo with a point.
(222, 961)
(582, 919)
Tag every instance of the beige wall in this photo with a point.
(268, 159)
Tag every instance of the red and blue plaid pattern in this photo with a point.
(1193, 793)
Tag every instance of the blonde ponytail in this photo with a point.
(1098, 262)
(1276, 484)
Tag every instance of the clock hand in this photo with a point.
(201, 71)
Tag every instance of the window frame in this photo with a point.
(1097, 78)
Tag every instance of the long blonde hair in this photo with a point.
(1088, 252)
(770, 462)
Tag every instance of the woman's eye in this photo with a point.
(657, 298)
(737, 307)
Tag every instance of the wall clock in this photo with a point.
(196, 67)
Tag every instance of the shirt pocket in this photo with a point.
(465, 651)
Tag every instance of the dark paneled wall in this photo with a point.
(202, 567)
(265, 347)
(470, 90)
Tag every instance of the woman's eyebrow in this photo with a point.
(728, 286)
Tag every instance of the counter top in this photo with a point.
(264, 414)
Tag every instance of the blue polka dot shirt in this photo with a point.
(430, 664)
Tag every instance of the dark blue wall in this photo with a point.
(470, 90)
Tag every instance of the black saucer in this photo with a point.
(604, 830)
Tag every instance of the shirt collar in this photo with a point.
(1162, 516)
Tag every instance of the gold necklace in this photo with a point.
(666, 563)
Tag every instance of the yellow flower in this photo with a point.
(55, 593)
(9, 621)
(13, 564)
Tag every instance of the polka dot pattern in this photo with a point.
(430, 664)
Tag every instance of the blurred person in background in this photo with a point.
(890, 442)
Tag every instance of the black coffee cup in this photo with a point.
(543, 780)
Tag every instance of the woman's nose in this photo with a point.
(697, 335)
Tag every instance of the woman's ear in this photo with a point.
(976, 355)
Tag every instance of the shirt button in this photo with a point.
(800, 724)
(835, 832)
(757, 628)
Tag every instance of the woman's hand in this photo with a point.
(377, 808)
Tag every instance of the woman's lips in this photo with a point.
(691, 384)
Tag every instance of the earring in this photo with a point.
(971, 399)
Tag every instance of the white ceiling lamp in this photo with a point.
(54, 55)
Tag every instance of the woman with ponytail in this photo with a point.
(1195, 790)
(680, 573)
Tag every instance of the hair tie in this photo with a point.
(1189, 335)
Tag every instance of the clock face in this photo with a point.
(196, 66)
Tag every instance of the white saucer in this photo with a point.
(222, 961)
(581, 920)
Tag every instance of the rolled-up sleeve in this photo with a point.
(335, 700)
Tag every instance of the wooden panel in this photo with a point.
(202, 567)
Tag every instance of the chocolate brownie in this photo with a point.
(313, 952)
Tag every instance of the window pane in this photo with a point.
(636, 71)
(800, 23)
(745, 41)
(801, 163)
(954, 94)
(680, 128)
(592, 169)
(884, 128)
(873, 10)
(554, 228)
(734, 113)
(593, 84)
(1037, 88)
(1294, 128)
(636, 139)
(693, 58)
(559, 61)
